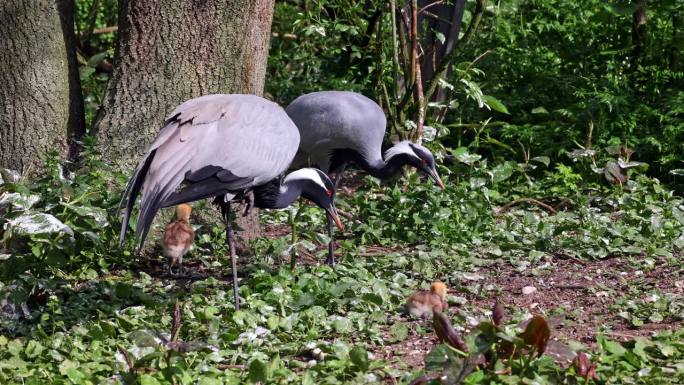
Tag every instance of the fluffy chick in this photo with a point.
(422, 302)
(178, 237)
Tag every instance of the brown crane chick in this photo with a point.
(178, 237)
(422, 302)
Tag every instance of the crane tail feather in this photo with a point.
(131, 193)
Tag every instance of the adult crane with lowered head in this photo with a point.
(223, 146)
(341, 127)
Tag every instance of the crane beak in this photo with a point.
(336, 218)
(433, 174)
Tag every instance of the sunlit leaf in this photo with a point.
(495, 104)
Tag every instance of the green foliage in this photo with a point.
(568, 73)
(470, 214)
(320, 45)
(96, 318)
(534, 143)
(61, 219)
(95, 51)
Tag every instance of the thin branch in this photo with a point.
(402, 40)
(92, 18)
(416, 75)
(441, 72)
(395, 50)
(99, 31)
(430, 5)
(412, 27)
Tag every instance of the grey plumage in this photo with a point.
(330, 120)
(221, 146)
(340, 127)
(248, 139)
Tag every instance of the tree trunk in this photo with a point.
(446, 19)
(41, 106)
(172, 51)
(639, 34)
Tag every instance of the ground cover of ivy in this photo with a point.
(75, 309)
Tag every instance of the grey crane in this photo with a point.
(223, 146)
(341, 127)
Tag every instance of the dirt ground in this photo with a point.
(584, 290)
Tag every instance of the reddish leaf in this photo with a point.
(175, 327)
(446, 332)
(537, 334)
(498, 313)
(584, 367)
(127, 358)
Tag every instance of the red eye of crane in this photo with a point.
(329, 192)
(423, 161)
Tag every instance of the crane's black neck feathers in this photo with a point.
(274, 195)
(381, 170)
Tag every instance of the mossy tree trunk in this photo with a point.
(41, 106)
(172, 51)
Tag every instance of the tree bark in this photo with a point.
(639, 34)
(41, 106)
(172, 51)
(445, 18)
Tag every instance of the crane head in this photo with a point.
(317, 187)
(417, 156)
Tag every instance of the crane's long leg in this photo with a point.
(233, 257)
(331, 244)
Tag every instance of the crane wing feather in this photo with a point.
(245, 139)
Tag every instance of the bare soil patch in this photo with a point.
(575, 296)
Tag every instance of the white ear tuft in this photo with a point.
(306, 173)
(402, 147)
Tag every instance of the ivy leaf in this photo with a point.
(399, 332)
(359, 357)
(258, 371)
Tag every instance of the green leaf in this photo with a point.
(258, 371)
(614, 348)
(539, 111)
(495, 104)
(146, 379)
(77, 377)
(399, 332)
(545, 160)
(33, 349)
(437, 357)
(359, 357)
(96, 59)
